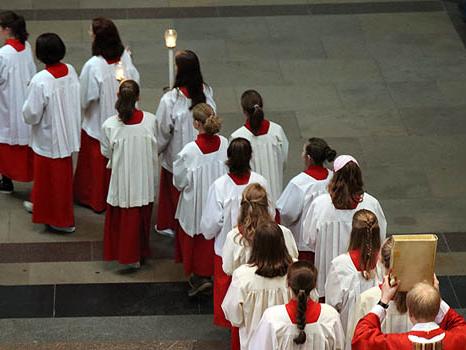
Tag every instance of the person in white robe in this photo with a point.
(328, 222)
(175, 129)
(295, 200)
(254, 209)
(259, 284)
(132, 184)
(100, 78)
(52, 109)
(268, 140)
(302, 323)
(356, 271)
(17, 68)
(220, 215)
(197, 166)
(397, 318)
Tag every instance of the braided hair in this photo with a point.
(252, 104)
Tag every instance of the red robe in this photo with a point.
(369, 336)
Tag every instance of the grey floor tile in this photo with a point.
(413, 94)
(365, 95)
(453, 91)
(459, 286)
(456, 241)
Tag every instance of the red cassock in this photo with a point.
(168, 201)
(52, 191)
(92, 178)
(196, 253)
(16, 162)
(368, 334)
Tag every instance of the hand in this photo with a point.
(388, 291)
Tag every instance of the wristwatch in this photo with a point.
(385, 306)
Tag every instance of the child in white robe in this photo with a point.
(254, 210)
(175, 130)
(295, 200)
(397, 318)
(221, 213)
(327, 225)
(356, 271)
(197, 166)
(259, 284)
(100, 79)
(52, 108)
(302, 323)
(129, 144)
(16, 70)
(268, 140)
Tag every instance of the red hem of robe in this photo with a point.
(196, 253)
(263, 129)
(16, 162)
(307, 256)
(58, 70)
(127, 233)
(168, 201)
(52, 191)
(317, 172)
(208, 143)
(221, 283)
(92, 178)
(240, 180)
(16, 44)
(136, 117)
(313, 310)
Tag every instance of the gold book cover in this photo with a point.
(413, 259)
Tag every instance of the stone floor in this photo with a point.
(381, 80)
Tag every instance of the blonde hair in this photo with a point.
(423, 302)
(205, 114)
(254, 210)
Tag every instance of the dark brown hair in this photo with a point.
(107, 42)
(205, 114)
(365, 237)
(128, 95)
(319, 151)
(50, 49)
(269, 252)
(239, 155)
(189, 75)
(251, 102)
(346, 186)
(253, 211)
(302, 279)
(16, 24)
(386, 255)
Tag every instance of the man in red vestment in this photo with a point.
(434, 322)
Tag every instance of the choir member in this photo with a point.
(175, 129)
(197, 166)
(100, 77)
(221, 213)
(16, 70)
(327, 224)
(356, 271)
(259, 284)
(295, 200)
(302, 322)
(268, 140)
(52, 109)
(436, 325)
(396, 319)
(128, 142)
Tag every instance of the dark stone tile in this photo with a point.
(188, 12)
(128, 299)
(265, 10)
(162, 247)
(456, 241)
(377, 7)
(88, 14)
(459, 286)
(140, 13)
(28, 15)
(45, 252)
(447, 292)
(26, 301)
(211, 345)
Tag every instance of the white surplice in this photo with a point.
(16, 71)
(236, 251)
(269, 155)
(193, 173)
(276, 331)
(175, 124)
(295, 201)
(327, 230)
(222, 208)
(248, 296)
(343, 286)
(99, 87)
(52, 108)
(131, 150)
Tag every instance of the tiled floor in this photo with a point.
(382, 80)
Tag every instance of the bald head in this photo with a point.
(423, 302)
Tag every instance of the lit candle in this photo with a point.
(170, 43)
(120, 72)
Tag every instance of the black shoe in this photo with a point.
(199, 284)
(6, 186)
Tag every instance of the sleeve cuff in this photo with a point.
(444, 308)
(379, 311)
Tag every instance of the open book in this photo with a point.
(413, 260)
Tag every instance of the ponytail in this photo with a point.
(301, 317)
(128, 95)
(319, 151)
(16, 24)
(251, 102)
(205, 114)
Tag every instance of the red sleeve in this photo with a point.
(452, 320)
